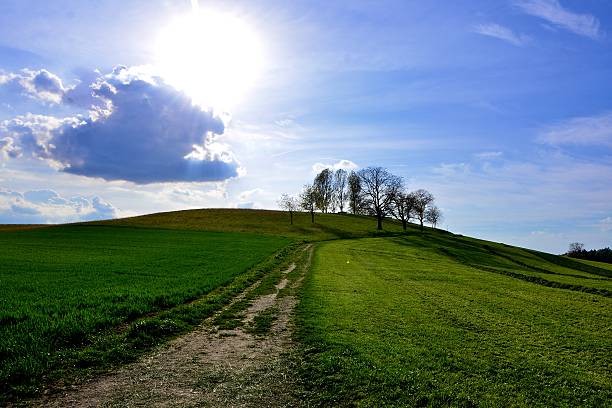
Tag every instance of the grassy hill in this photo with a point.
(520, 263)
(326, 226)
(436, 320)
(385, 318)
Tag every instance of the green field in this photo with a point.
(326, 226)
(594, 263)
(60, 287)
(385, 318)
(432, 320)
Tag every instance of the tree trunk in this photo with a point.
(379, 218)
(312, 216)
(404, 224)
(291, 216)
(421, 225)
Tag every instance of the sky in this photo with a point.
(501, 108)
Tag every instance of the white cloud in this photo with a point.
(47, 206)
(488, 155)
(141, 130)
(342, 164)
(285, 123)
(588, 130)
(452, 169)
(248, 198)
(606, 224)
(249, 194)
(8, 148)
(32, 134)
(519, 195)
(554, 13)
(501, 33)
(41, 84)
(193, 196)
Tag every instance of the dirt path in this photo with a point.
(207, 367)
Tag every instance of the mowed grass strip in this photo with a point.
(60, 287)
(394, 322)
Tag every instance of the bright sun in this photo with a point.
(211, 56)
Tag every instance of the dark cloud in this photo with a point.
(47, 206)
(139, 129)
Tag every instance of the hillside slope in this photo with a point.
(326, 226)
(423, 321)
(518, 263)
(399, 273)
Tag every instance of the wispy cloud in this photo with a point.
(588, 130)
(501, 33)
(553, 12)
(507, 199)
(606, 224)
(488, 155)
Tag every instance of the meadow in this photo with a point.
(436, 320)
(267, 222)
(66, 291)
(387, 318)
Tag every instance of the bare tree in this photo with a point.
(379, 186)
(433, 215)
(324, 190)
(575, 248)
(402, 207)
(340, 188)
(354, 193)
(289, 203)
(423, 199)
(308, 200)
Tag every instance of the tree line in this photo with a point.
(372, 191)
(576, 250)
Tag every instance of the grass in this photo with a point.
(326, 226)
(17, 227)
(385, 318)
(75, 295)
(601, 265)
(398, 322)
(263, 321)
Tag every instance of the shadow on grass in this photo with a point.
(484, 257)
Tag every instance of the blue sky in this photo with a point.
(502, 109)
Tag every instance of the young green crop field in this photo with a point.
(384, 319)
(63, 287)
(442, 320)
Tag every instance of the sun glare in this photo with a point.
(211, 56)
